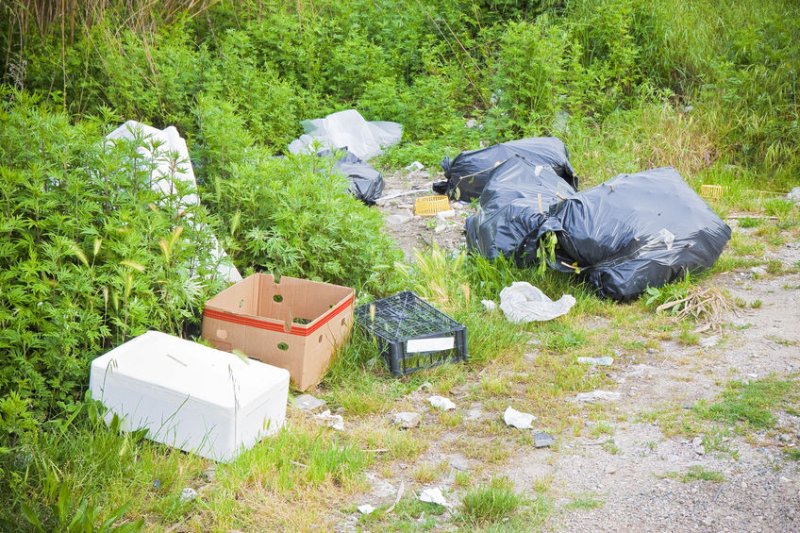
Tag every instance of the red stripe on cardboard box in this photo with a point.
(260, 324)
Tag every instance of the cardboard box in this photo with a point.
(294, 324)
(190, 396)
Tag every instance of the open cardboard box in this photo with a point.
(294, 324)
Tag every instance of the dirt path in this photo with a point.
(629, 476)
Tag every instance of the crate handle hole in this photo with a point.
(283, 346)
(277, 298)
(320, 339)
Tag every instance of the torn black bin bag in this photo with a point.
(513, 206)
(469, 172)
(366, 183)
(636, 231)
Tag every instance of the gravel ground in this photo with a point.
(637, 485)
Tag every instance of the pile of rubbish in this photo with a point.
(632, 232)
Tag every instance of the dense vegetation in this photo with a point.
(88, 257)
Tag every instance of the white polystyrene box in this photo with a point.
(189, 396)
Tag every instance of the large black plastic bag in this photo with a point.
(366, 183)
(636, 231)
(469, 172)
(513, 206)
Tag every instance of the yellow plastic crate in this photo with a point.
(712, 192)
(430, 205)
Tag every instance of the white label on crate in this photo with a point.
(430, 345)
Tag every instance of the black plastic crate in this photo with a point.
(412, 334)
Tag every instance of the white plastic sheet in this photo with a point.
(347, 130)
(440, 402)
(162, 147)
(522, 302)
(518, 419)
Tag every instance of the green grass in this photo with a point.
(491, 503)
(584, 502)
(697, 473)
(749, 403)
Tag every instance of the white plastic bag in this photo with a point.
(163, 146)
(522, 302)
(347, 129)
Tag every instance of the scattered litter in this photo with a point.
(543, 440)
(406, 420)
(332, 421)
(513, 207)
(522, 302)
(156, 483)
(709, 342)
(636, 231)
(365, 509)
(597, 395)
(712, 192)
(347, 129)
(210, 474)
(397, 220)
(440, 402)
(758, 271)
(425, 386)
(433, 495)
(306, 402)
(161, 148)
(599, 361)
(422, 189)
(444, 215)
(517, 419)
(794, 195)
(489, 305)
(471, 123)
(469, 172)
(412, 334)
(366, 183)
(188, 494)
(415, 166)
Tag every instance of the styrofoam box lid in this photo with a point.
(185, 367)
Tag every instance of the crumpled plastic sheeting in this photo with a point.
(469, 172)
(522, 302)
(366, 183)
(518, 419)
(347, 130)
(164, 143)
(636, 231)
(513, 206)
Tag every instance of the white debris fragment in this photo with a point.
(347, 129)
(333, 421)
(522, 302)
(489, 305)
(365, 509)
(444, 215)
(306, 402)
(599, 361)
(597, 395)
(406, 420)
(440, 402)
(416, 165)
(188, 494)
(517, 419)
(433, 495)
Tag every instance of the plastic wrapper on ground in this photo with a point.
(366, 183)
(513, 206)
(469, 172)
(160, 148)
(347, 130)
(636, 231)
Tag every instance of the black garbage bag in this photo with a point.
(366, 183)
(469, 172)
(636, 231)
(513, 206)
